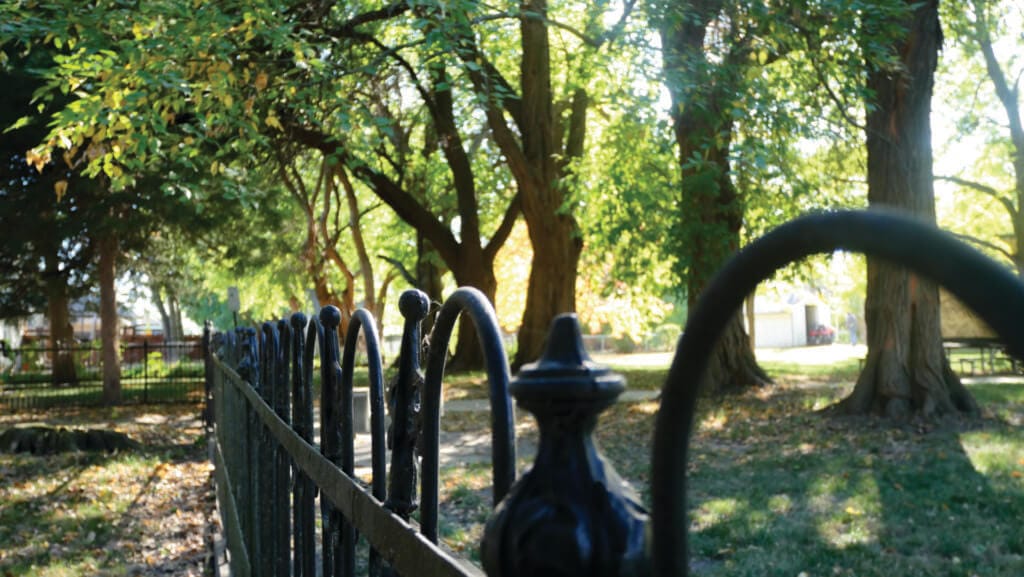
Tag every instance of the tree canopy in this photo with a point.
(286, 147)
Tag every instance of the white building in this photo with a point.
(786, 323)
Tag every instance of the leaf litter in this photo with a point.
(145, 513)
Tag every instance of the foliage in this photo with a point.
(183, 107)
(37, 229)
(981, 108)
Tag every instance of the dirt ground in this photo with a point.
(144, 513)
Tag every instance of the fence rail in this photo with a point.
(570, 514)
(150, 373)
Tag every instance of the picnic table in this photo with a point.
(980, 355)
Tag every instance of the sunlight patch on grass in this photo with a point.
(996, 453)
(714, 512)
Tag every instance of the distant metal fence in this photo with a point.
(150, 373)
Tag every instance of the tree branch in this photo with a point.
(347, 29)
(982, 188)
(408, 276)
(1007, 95)
(404, 204)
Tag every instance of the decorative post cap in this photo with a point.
(330, 317)
(414, 304)
(565, 372)
(570, 514)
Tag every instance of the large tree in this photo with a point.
(906, 370)
(704, 90)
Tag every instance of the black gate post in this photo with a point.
(570, 514)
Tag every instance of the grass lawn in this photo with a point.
(134, 513)
(778, 489)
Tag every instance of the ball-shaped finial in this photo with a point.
(414, 304)
(299, 321)
(330, 317)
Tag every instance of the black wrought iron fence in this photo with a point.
(43, 377)
(570, 514)
(269, 467)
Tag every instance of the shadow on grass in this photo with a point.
(779, 489)
(85, 513)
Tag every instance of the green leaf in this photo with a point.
(19, 123)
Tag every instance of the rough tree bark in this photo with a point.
(428, 276)
(108, 251)
(906, 371)
(711, 209)
(554, 232)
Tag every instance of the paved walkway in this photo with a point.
(463, 448)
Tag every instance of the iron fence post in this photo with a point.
(282, 463)
(330, 437)
(570, 514)
(414, 306)
(302, 417)
(249, 370)
(208, 410)
(145, 372)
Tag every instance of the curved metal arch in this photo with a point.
(983, 285)
(364, 320)
(503, 443)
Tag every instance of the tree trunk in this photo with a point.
(477, 273)
(165, 317)
(1008, 97)
(108, 251)
(552, 286)
(62, 334)
(710, 207)
(542, 180)
(751, 319)
(174, 311)
(906, 370)
(428, 276)
(170, 319)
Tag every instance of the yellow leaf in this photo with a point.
(1017, 474)
(273, 122)
(36, 159)
(261, 81)
(60, 187)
